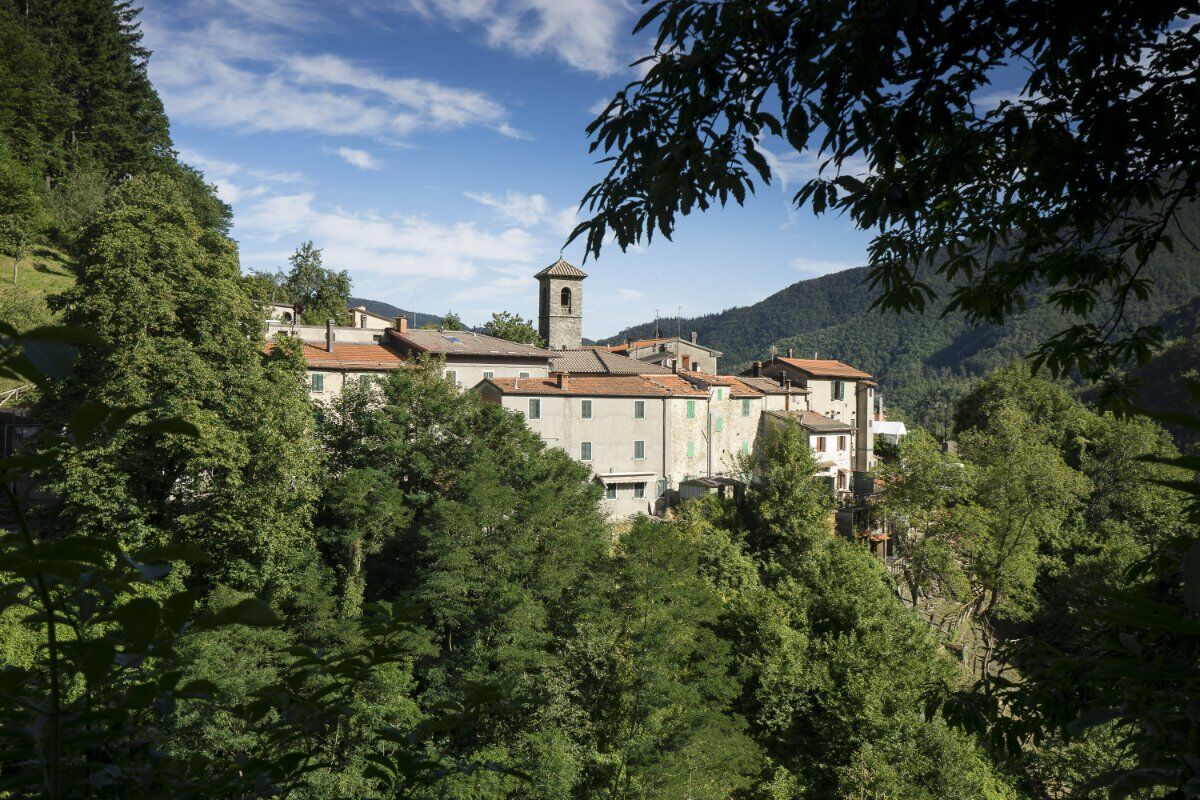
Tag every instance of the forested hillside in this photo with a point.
(78, 116)
(916, 356)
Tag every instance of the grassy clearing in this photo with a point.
(23, 304)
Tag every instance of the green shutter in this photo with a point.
(691, 409)
(318, 383)
(691, 449)
(746, 407)
(720, 424)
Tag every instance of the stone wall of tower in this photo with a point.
(561, 326)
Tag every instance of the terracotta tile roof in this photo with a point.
(640, 343)
(770, 385)
(739, 388)
(561, 269)
(813, 422)
(351, 356)
(705, 378)
(825, 368)
(598, 361)
(599, 386)
(450, 343)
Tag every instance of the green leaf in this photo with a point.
(176, 425)
(139, 619)
(252, 611)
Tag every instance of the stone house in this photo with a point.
(673, 353)
(830, 440)
(835, 390)
(336, 354)
(640, 434)
(471, 357)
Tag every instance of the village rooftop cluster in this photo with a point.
(654, 419)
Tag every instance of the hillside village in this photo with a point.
(655, 419)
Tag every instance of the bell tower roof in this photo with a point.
(561, 269)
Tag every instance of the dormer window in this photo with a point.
(565, 298)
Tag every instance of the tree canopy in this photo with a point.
(514, 328)
(1071, 180)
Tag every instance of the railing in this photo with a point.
(11, 394)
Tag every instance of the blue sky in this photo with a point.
(435, 149)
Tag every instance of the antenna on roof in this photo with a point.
(657, 327)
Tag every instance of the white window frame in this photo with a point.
(639, 491)
(636, 443)
(585, 451)
(585, 409)
(535, 408)
(639, 409)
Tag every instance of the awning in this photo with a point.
(625, 477)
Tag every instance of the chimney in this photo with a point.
(402, 324)
(789, 352)
(782, 380)
(562, 380)
(758, 369)
(329, 335)
(695, 337)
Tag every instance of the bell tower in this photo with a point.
(560, 305)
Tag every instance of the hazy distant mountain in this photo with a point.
(915, 357)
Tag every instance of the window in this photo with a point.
(821, 444)
(639, 409)
(839, 390)
(610, 491)
(745, 447)
(535, 409)
(362, 320)
(639, 490)
(452, 376)
(487, 373)
(691, 449)
(639, 449)
(660, 488)
(841, 443)
(585, 451)
(720, 394)
(720, 423)
(565, 298)
(318, 383)
(746, 407)
(691, 409)
(585, 409)
(522, 374)
(841, 481)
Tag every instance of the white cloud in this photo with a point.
(379, 250)
(529, 210)
(586, 34)
(790, 167)
(629, 295)
(813, 267)
(515, 207)
(231, 178)
(358, 158)
(222, 76)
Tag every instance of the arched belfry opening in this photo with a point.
(561, 323)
